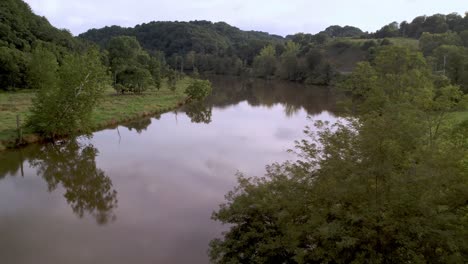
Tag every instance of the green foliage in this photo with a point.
(181, 38)
(389, 185)
(155, 70)
(42, 70)
(289, 68)
(452, 61)
(133, 68)
(264, 64)
(434, 24)
(66, 99)
(389, 31)
(464, 37)
(13, 64)
(134, 79)
(123, 51)
(198, 90)
(429, 42)
(20, 28)
(172, 79)
(346, 31)
(20, 32)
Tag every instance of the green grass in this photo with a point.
(11, 105)
(112, 110)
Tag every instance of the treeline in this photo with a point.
(202, 46)
(26, 37)
(294, 63)
(219, 48)
(443, 39)
(203, 38)
(434, 24)
(166, 49)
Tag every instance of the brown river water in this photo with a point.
(144, 192)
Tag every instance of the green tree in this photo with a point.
(198, 90)
(452, 61)
(132, 67)
(156, 72)
(389, 31)
(264, 64)
(172, 79)
(42, 70)
(190, 60)
(12, 68)
(134, 79)
(289, 64)
(429, 42)
(464, 37)
(388, 185)
(64, 106)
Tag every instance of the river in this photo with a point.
(144, 192)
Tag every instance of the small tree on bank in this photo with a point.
(68, 94)
(198, 90)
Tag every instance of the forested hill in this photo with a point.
(220, 48)
(20, 28)
(182, 37)
(20, 32)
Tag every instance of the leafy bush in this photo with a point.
(198, 90)
(67, 94)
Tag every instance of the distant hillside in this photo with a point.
(435, 24)
(182, 37)
(20, 31)
(20, 28)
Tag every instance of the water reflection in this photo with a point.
(72, 165)
(198, 112)
(12, 163)
(139, 125)
(171, 172)
(293, 96)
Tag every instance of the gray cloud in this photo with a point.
(274, 16)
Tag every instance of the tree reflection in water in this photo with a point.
(73, 165)
(198, 112)
(139, 125)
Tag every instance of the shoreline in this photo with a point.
(113, 110)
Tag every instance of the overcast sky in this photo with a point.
(280, 17)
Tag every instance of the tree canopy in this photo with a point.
(388, 185)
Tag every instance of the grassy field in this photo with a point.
(112, 110)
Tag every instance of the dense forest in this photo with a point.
(312, 58)
(206, 47)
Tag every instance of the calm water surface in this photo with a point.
(144, 192)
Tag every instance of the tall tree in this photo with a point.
(288, 63)
(132, 67)
(64, 102)
(264, 64)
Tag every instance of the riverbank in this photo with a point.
(113, 109)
